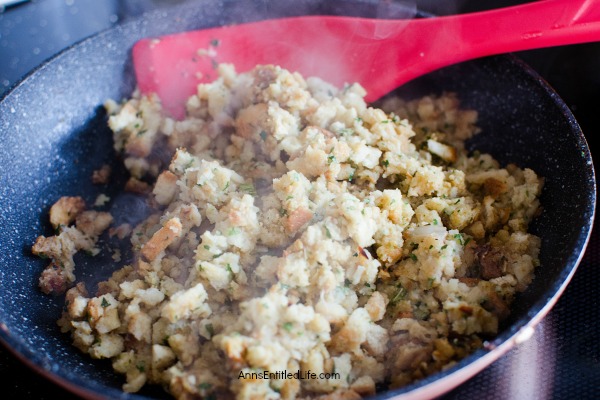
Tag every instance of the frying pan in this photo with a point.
(53, 134)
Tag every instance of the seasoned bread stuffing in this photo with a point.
(68, 240)
(298, 230)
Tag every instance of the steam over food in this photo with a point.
(302, 243)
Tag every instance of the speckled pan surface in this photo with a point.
(53, 134)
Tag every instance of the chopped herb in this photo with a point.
(207, 247)
(104, 303)
(228, 268)
(263, 135)
(347, 282)
(289, 197)
(457, 201)
(386, 163)
(355, 255)
(460, 239)
(233, 231)
(330, 159)
(435, 222)
(283, 212)
(400, 295)
(358, 119)
(327, 232)
(413, 256)
(351, 176)
(367, 284)
(210, 329)
(467, 241)
(420, 314)
(140, 367)
(166, 340)
(204, 386)
(288, 326)
(140, 133)
(385, 121)
(430, 282)
(226, 186)
(430, 247)
(248, 188)
(444, 247)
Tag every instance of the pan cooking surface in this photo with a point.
(54, 135)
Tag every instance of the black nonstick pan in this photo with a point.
(53, 135)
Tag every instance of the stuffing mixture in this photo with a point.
(297, 230)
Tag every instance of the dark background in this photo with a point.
(561, 360)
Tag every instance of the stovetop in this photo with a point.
(562, 358)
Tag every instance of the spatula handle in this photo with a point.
(447, 40)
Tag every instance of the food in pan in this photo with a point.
(301, 244)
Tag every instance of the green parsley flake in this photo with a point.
(288, 326)
(248, 188)
(210, 329)
(430, 282)
(351, 176)
(460, 239)
(400, 295)
(104, 303)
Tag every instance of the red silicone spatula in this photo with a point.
(379, 54)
